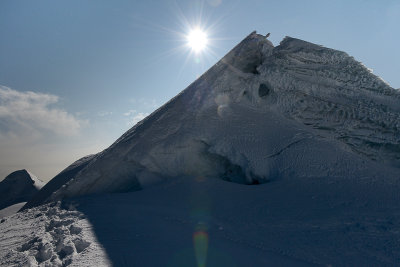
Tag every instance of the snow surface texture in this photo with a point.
(260, 114)
(10, 210)
(292, 223)
(56, 237)
(19, 186)
(312, 127)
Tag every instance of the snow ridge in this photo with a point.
(262, 113)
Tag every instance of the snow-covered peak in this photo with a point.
(262, 113)
(36, 181)
(58, 181)
(17, 187)
(23, 177)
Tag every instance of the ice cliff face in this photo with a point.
(18, 186)
(262, 113)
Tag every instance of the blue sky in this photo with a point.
(75, 75)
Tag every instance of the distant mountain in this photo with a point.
(19, 186)
(58, 181)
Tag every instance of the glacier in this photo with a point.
(262, 113)
(277, 155)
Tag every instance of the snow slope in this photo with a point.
(10, 210)
(276, 156)
(19, 186)
(262, 113)
(291, 223)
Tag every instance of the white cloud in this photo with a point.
(134, 116)
(138, 117)
(33, 114)
(130, 112)
(105, 113)
(145, 103)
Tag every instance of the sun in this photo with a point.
(197, 40)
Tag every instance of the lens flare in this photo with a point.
(200, 242)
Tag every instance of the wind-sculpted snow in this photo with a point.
(262, 113)
(330, 91)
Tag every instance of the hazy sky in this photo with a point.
(75, 75)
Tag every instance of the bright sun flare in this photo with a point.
(197, 40)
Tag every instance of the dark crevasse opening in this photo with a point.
(252, 67)
(264, 90)
(229, 171)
